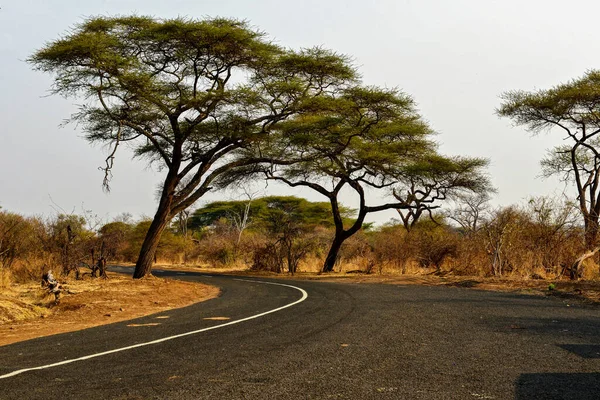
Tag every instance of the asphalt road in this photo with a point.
(345, 341)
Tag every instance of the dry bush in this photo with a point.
(434, 244)
(312, 263)
(69, 239)
(539, 240)
(291, 253)
(172, 248)
(5, 278)
(216, 249)
(391, 249)
(427, 247)
(268, 257)
(554, 234)
(25, 248)
(114, 241)
(471, 255)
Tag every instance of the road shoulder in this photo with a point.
(95, 302)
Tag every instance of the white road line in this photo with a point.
(104, 353)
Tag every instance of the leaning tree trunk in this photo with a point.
(146, 258)
(333, 253)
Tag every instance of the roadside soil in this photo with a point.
(28, 311)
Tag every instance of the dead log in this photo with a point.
(575, 272)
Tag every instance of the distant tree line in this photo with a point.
(540, 239)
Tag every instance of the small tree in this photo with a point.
(114, 239)
(434, 242)
(499, 231)
(185, 94)
(17, 237)
(287, 220)
(71, 240)
(553, 223)
(426, 183)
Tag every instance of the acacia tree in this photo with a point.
(355, 138)
(425, 183)
(572, 108)
(185, 94)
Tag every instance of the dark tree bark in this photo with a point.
(332, 255)
(146, 258)
(342, 234)
(160, 221)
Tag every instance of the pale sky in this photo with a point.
(454, 57)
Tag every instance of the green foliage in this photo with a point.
(266, 210)
(215, 211)
(66, 228)
(184, 90)
(571, 105)
(190, 95)
(359, 134)
(432, 179)
(281, 214)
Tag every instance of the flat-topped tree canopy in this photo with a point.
(186, 94)
(358, 137)
(425, 183)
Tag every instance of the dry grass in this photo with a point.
(27, 311)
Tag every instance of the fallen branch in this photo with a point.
(576, 268)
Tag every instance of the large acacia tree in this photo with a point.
(185, 94)
(573, 109)
(358, 138)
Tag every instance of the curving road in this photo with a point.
(343, 341)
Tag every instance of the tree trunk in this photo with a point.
(146, 258)
(333, 253)
(591, 231)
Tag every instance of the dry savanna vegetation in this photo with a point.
(30, 246)
(537, 241)
(214, 103)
